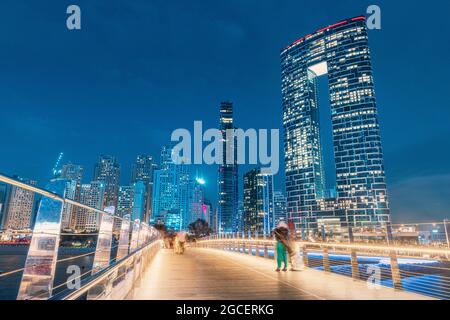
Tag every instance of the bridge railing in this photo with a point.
(416, 269)
(75, 250)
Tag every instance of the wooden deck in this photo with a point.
(203, 274)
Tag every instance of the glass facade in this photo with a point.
(171, 192)
(341, 53)
(258, 202)
(228, 176)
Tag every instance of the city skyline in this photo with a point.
(425, 150)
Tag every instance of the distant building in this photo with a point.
(139, 195)
(143, 170)
(258, 202)
(209, 213)
(92, 195)
(197, 208)
(131, 202)
(107, 171)
(125, 202)
(240, 216)
(18, 210)
(280, 212)
(228, 175)
(71, 192)
(171, 192)
(72, 172)
(3, 191)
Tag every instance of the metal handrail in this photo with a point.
(439, 288)
(92, 281)
(46, 193)
(39, 271)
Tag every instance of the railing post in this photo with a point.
(305, 256)
(395, 270)
(266, 251)
(257, 249)
(249, 248)
(326, 261)
(355, 267)
(135, 235)
(243, 246)
(353, 256)
(40, 265)
(104, 241)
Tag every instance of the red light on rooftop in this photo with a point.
(324, 29)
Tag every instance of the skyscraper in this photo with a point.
(19, 206)
(92, 195)
(71, 171)
(171, 192)
(228, 175)
(341, 53)
(107, 171)
(143, 170)
(71, 191)
(139, 194)
(280, 212)
(258, 202)
(3, 191)
(197, 209)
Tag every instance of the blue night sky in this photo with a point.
(140, 69)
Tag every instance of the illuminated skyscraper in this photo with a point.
(280, 212)
(143, 170)
(19, 206)
(258, 202)
(72, 172)
(107, 171)
(228, 175)
(197, 208)
(91, 195)
(125, 203)
(171, 192)
(341, 53)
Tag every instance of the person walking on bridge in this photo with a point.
(281, 233)
(180, 242)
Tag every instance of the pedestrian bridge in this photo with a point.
(203, 274)
(220, 267)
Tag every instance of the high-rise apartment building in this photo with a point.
(171, 192)
(258, 202)
(279, 211)
(131, 202)
(107, 171)
(125, 202)
(71, 191)
(19, 203)
(73, 172)
(92, 195)
(3, 191)
(341, 54)
(228, 174)
(197, 206)
(143, 170)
